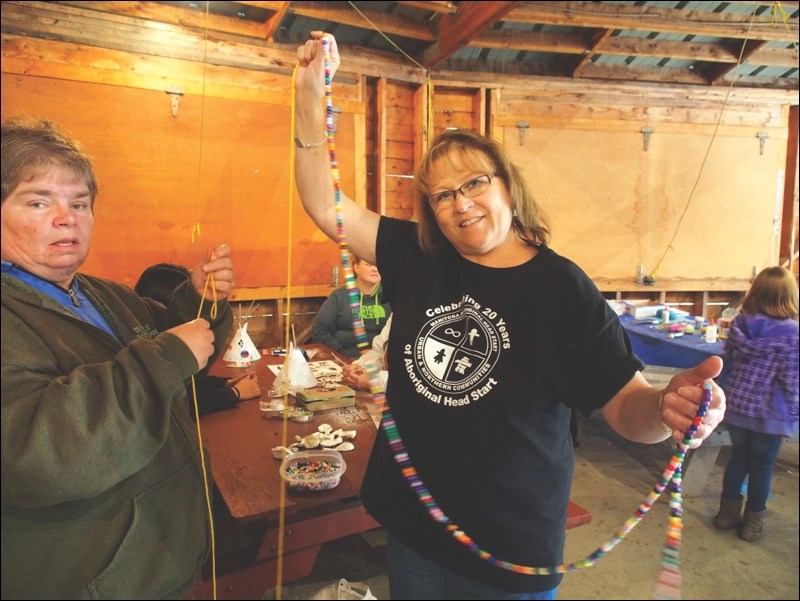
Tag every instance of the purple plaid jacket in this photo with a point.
(763, 382)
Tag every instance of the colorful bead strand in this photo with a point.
(350, 280)
(669, 581)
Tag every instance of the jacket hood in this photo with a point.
(748, 336)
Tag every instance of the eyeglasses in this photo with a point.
(473, 187)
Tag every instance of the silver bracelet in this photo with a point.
(299, 143)
(665, 427)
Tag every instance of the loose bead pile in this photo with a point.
(312, 475)
(668, 585)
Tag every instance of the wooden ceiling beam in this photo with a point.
(146, 38)
(653, 18)
(275, 5)
(717, 73)
(163, 13)
(774, 57)
(444, 8)
(575, 43)
(530, 41)
(166, 30)
(388, 24)
(589, 71)
(455, 31)
(648, 74)
(273, 23)
(794, 4)
(498, 71)
(692, 51)
(599, 39)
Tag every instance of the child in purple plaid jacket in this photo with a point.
(762, 397)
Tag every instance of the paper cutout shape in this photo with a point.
(241, 351)
(300, 374)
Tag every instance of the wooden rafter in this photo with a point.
(574, 39)
(445, 8)
(273, 23)
(387, 23)
(652, 18)
(455, 31)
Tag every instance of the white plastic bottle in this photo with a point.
(711, 332)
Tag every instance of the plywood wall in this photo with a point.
(690, 206)
(170, 187)
(679, 183)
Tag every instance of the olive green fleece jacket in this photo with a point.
(102, 488)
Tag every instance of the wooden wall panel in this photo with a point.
(454, 107)
(221, 163)
(371, 148)
(615, 206)
(401, 122)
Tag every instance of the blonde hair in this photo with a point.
(774, 294)
(466, 148)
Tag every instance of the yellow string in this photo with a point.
(195, 234)
(287, 340)
(429, 80)
(386, 37)
(207, 495)
(196, 227)
(708, 150)
(777, 11)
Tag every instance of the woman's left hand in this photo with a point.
(683, 396)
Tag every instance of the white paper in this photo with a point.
(300, 374)
(241, 351)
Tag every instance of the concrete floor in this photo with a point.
(612, 477)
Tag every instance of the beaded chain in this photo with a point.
(668, 585)
(349, 276)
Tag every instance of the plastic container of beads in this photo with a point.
(313, 470)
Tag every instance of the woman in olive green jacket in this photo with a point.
(102, 487)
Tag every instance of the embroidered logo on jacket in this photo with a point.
(145, 332)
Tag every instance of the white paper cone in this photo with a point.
(300, 374)
(241, 351)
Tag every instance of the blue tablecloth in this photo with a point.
(653, 346)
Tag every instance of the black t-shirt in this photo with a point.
(484, 365)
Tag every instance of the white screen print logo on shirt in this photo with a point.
(455, 353)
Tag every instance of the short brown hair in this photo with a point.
(774, 294)
(31, 146)
(530, 223)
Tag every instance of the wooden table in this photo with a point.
(247, 524)
(239, 443)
